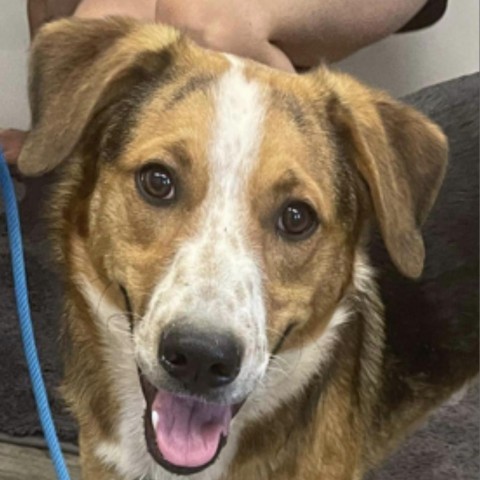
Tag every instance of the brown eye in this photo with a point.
(297, 221)
(155, 183)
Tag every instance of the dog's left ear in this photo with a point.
(401, 155)
(77, 68)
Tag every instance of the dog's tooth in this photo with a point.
(155, 419)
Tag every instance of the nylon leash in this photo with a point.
(24, 317)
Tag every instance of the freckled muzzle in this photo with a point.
(184, 432)
(210, 351)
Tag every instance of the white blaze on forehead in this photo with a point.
(215, 278)
(237, 133)
(233, 151)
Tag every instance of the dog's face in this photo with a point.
(227, 202)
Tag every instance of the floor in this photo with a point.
(26, 463)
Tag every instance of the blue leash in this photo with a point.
(23, 309)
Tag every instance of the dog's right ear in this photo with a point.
(78, 67)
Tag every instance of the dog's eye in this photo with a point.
(297, 221)
(155, 183)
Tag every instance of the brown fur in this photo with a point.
(353, 152)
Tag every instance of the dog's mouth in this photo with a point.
(184, 435)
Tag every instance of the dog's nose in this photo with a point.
(200, 360)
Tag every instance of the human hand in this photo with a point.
(11, 142)
(241, 27)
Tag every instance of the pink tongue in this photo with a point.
(189, 431)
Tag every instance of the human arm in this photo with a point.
(285, 34)
(281, 33)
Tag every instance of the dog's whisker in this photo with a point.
(127, 313)
(278, 357)
(112, 324)
(278, 368)
(102, 297)
(275, 331)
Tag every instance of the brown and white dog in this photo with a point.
(222, 318)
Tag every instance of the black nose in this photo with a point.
(200, 360)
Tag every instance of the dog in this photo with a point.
(212, 219)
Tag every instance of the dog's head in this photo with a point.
(226, 200)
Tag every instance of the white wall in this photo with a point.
(407, 62)
(401, 64)
(14, 38)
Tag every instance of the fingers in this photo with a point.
(37, 15)
(11, 141)
(42, 11)
(263, 52)
(257, 49)
(240, 27)
(139, 9)
(276, 58)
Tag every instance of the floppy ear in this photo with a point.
(77, 67)
(401, 155)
